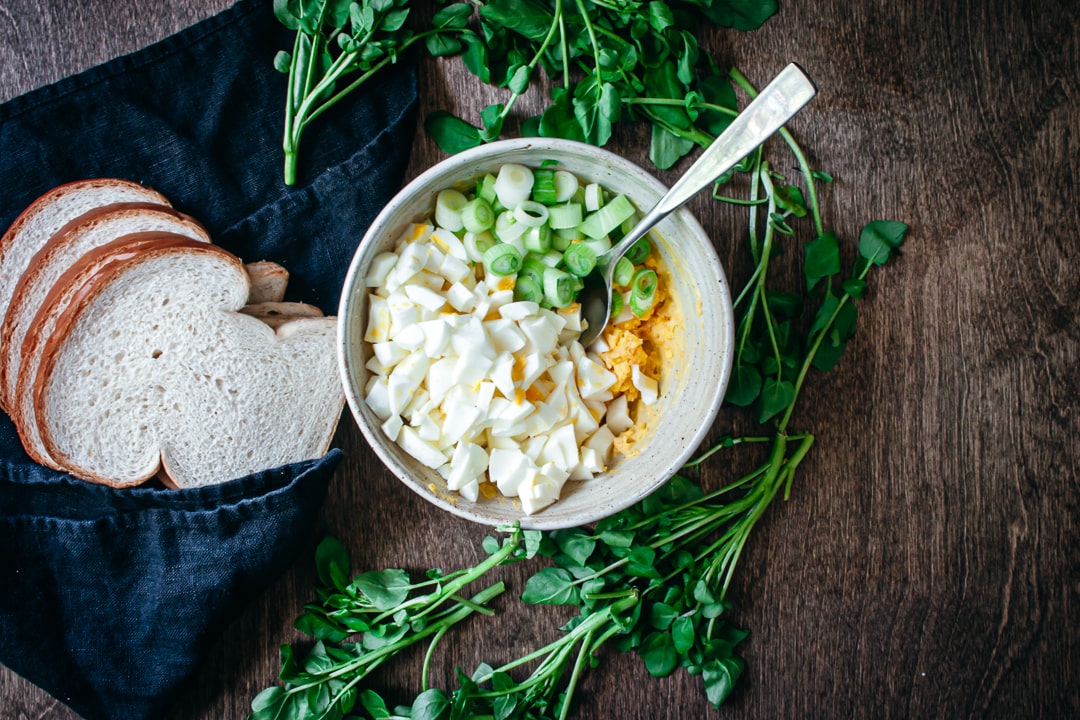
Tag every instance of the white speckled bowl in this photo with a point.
(692, 387)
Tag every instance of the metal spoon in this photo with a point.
(774, 106)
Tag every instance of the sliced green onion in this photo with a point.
(513, 184)
(639, 251)
(611, 216)
(617, 302)
(477, 215)
(485, 189)
(448, 206)
(543, 190)
(531, 213)
(594, 197)
(551, 258)
(528, 288)
(476, 244)
(507, 228)
(538, 239)
(579, 259)
(564, 237)
(533, 266)
(624, 271)
(564, 217)
(566, 185)
(642, 291)
(559, 288)
(502, 259)
(599, 245)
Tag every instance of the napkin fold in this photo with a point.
(111, 597)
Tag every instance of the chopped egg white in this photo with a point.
(483, 388)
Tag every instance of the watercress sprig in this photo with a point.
(384, 612)
(339, 45)
(607, 61)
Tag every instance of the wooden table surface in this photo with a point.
(928, 561)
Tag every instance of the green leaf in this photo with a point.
(453, 16)
(776, 395)
(854, 287)
(374, 704)
(270, 704)
(525, 17)
(688, 58)
(822, 259)
(576, 543)
(666, 149)
(558, 120)
(332, 563)
(716, 90)
(551, 586)
(282, 60)
(661, 615)
(394, 20)
(451, 133)
(744, 386)
(385, 588)
(288, 13)
(491, 117)
(658, 652)
(720, 677)
(738, 14)
(616, 538)
(442, 45)
(640, 562)
(663, 81)
(682, 634)
(660, 17)
(519, 81)
(430, 705)
(879, 239)
(475, 56)
(532, 540)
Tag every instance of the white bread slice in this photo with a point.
(268, 281)
(41, 328)
(276, 314)
(50, 212)
(150, 366)
(90, 230)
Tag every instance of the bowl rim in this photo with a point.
(449, 166)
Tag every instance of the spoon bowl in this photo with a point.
(781, 99)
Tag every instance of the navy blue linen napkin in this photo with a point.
(110, 597)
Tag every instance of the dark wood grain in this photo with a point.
(928, 561)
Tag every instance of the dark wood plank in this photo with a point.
(927, 563)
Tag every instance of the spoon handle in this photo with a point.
(774, 106)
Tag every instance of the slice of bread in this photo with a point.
(123, 249)
(50, 212)
(149, 365)
(90, 230)
(268, 281)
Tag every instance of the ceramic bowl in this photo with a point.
(692, 384)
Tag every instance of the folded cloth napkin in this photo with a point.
(110, 597)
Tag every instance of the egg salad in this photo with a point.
(486, 383)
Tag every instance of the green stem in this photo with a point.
(373, 659)
(796, 149)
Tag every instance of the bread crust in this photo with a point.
(121, 250)
(80, 299)
(52, 259)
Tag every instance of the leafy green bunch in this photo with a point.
(339, 45)
(609, 61)
(359, 623)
